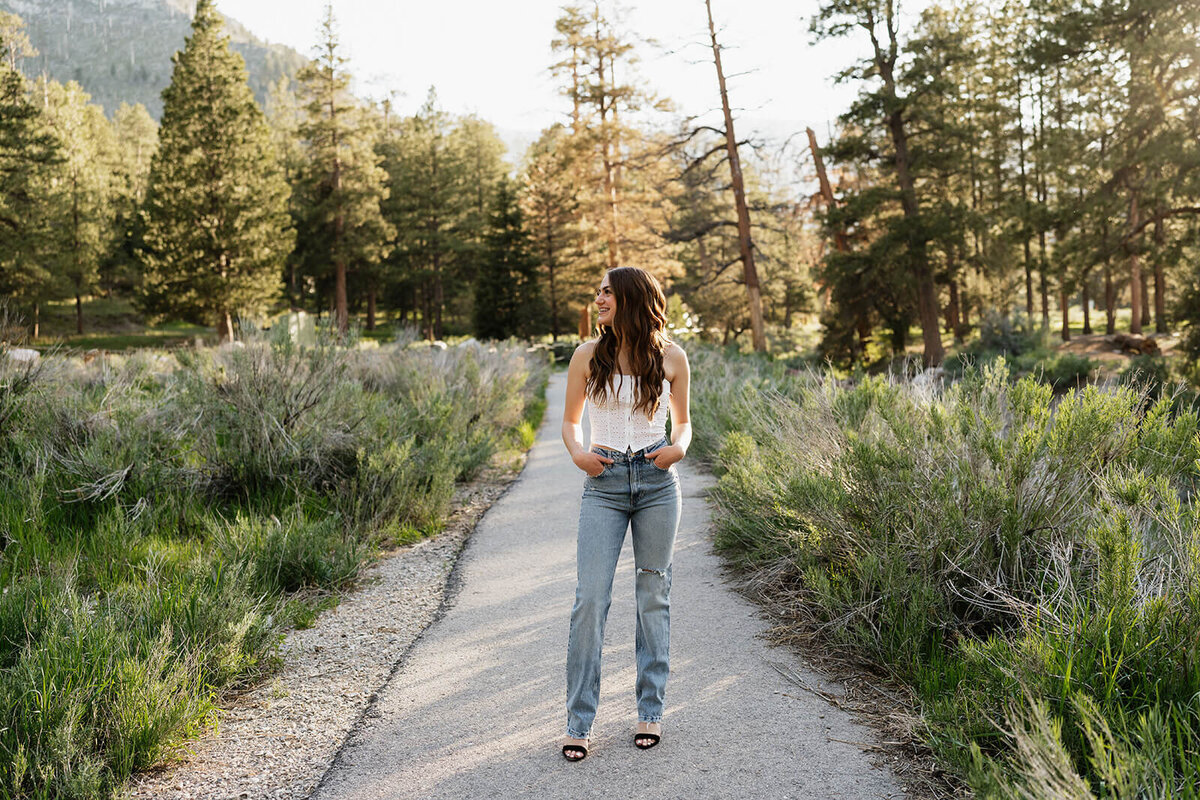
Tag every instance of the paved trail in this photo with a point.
(477, 708)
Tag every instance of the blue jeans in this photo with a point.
(631, 491)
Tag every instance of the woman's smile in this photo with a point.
(605, 302)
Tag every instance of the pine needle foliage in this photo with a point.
(216, 215)
(27, 150)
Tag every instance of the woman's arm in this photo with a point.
(681, 421)
(572, 430)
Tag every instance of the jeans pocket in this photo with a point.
(604, 467)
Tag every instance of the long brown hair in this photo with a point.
(639, 327)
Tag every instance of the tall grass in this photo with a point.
(1028, 562)
(160, 511)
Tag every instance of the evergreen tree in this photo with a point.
(623, 170)
(882, 125)
(429, 200)
(78, 191)
(343, 185)
(217, 227)
(136, 135)
(479, 151)
(27, 150)
(285, 116)
(550, 202)
(1187, 311)
(508, 299)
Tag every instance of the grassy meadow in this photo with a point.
(166, 516)
(1026, 558)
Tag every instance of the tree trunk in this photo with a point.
(575, 118)
(1110, 300)
(863, 328)
(739, 197)
(954, 311)
(340, 305)
(224, 326)
(371, 292)
(550, 265)
(1043, 195)
(899, 331)
(610, 183)
(839, 236)
(1087, 312)
(1028, 280)
(1065, 303)
(78, 314)
(585, 322)
(1145, 299)
(1024, 204)
(37, 325)
(1135, 269)
(1160, 281)
(927, 306)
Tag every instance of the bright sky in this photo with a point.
(492, 58)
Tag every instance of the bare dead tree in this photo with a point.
(739, 197)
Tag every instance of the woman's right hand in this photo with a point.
(592, 463)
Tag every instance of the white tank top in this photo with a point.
(616, 425)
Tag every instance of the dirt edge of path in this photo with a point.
(867, 695)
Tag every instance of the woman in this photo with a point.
(628, 373)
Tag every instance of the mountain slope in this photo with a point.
(120, 50)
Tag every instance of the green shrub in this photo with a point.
(995, 544)
(1064, 371)
(158, 512)
(1007, 334)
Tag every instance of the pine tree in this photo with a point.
(136, 135)
(550, 201)
(78, 191)
(621, 165)
(480, 151)
(882, 114)
(343, 183)
(27, 151)
(508, 298)
(285, 116)
(217, 227)
(429, 200)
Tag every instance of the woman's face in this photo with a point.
(606, 302)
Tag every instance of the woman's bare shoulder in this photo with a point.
(581, 359)
(674, 353)
(584, 350)
(674, 361)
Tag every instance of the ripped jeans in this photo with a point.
(630, 492)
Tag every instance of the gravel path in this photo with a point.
(477, 707)
(277, 740)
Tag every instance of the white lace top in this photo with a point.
(616, 425)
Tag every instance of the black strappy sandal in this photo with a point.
(574, 748)
(654, 737)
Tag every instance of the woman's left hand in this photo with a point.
(665, 456)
